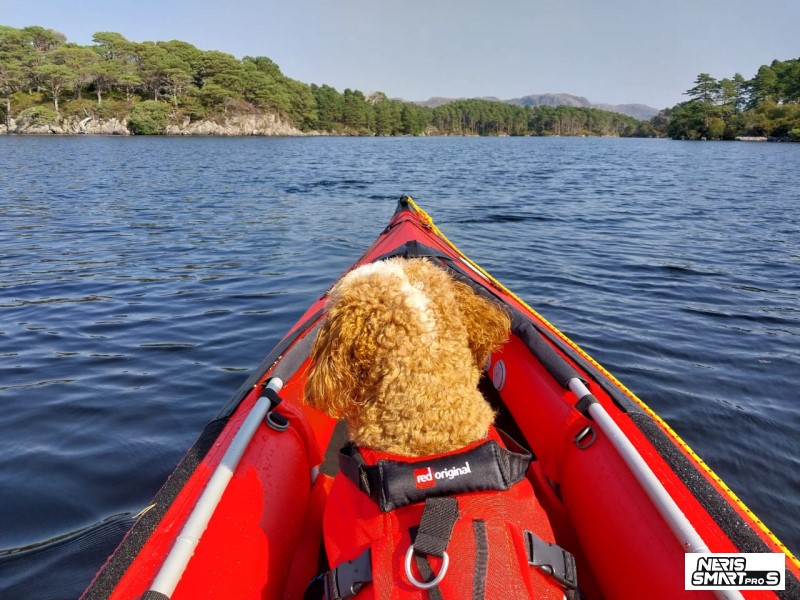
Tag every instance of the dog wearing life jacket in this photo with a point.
(429, 501)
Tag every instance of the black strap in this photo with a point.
(427, 573)
(552, 559)
(352, 465)
(392, 484)
(582, 405)
(414, 249)
(433, 536)
(347, 579)
(481, 560)
(438, 519)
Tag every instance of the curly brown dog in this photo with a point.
(400, 355)
(427, 477)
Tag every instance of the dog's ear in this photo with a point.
(488, 325)
(330, 383)
(344, 372)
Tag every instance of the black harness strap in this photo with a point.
(433, 536)
(436, 526)
(481, 560)
(425, 569)
(392, 484)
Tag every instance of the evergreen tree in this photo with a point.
(765, 86)
(706, 89)
(12, 67)
(330, 107)
(56, 79)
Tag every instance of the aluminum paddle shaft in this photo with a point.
(182, 551)
(681, 527)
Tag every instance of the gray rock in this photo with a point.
(239, 125)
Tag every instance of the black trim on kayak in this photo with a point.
(559, 369)
(731, 523)
(403, 205)
(413, 249)
(151, 595)
(503, 421)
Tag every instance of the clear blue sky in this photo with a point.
(615, 51)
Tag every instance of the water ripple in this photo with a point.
(142, 279)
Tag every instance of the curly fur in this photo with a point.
(400, 355)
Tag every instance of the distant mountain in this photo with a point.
(439, 101)
(552, 100)
(637, 111)
(433, 101)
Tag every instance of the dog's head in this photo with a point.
(400, 354)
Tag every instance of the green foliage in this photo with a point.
(767, 105)
(41, 39)
(388, 115)
(330, 107)
(22, 100)
(149, 118)
(302, 104)
(191, 106)
(705, 88)
(56, 79)
(79, 108)
(356, 113)
(37, 115)
(109, 109)
(151, 82)
(212, 97)
(413, 119)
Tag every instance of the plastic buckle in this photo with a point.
(552, 559)
(346, 580)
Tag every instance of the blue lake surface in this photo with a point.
(142, 279)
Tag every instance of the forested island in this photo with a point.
(118, 86)
(766, 106)
(50, 85)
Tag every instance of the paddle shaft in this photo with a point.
(666, 506)
(182, 551)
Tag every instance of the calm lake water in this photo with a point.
(141, 279)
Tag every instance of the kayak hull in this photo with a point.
(263, 538)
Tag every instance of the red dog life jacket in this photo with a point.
(471, 516)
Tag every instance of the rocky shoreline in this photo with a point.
(267, 125)
(240, 125)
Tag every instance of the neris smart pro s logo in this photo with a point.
(427, 477)
(735, 572)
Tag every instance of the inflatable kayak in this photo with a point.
(242, 515)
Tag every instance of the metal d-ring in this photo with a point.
(423, 585)
(585, 437)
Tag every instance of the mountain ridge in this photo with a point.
(637, 111)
